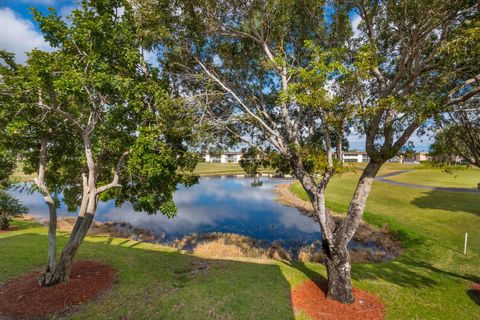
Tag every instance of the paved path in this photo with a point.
(383, 178)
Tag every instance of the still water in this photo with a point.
(215, 204)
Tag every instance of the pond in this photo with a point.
(224, 205)
(215, 204)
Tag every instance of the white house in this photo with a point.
(355, 156)
(362, 156)
(226, 157)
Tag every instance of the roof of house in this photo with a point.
(356, 152)
(233, 153)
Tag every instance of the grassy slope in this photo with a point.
(437, 178)
(430, 280)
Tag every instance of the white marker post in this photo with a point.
(465, 246)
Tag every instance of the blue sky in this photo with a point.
(22, 7)
(20, 34)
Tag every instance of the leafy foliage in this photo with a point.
(458, 136)
(252, 160)
(96, 84)
(9, 207)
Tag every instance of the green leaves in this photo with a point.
(252, 159)
(155, 168)
(96, 83)
(9, 207)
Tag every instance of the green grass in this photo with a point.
(19, 176)
(156, 282)
(437, 178)
(430, 280)
(206, 168)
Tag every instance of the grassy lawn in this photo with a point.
(468, 178)
(206, 168)
(430, 280)
(19, 176)
(156, 282)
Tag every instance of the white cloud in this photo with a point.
(355, 22)
(217, 61)
(120, 11)
(18, 35)
(356, 141)
(151, 57)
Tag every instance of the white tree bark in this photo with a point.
(52, 226)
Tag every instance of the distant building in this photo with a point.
(362, 156)
(422, 156)
(417, 157)
(355, 156)
(226, 157)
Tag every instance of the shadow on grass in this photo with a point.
(405, 271)
(474, 295)
(450, 201)
(311, 274)
(159, 284)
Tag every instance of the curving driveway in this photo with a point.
(383, 178)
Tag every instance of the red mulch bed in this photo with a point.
(23, 298)
(310, 297)
(474, 293)
(476, 288)
(9, 229)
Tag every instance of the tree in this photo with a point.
(251, 161)
(9, 206)
(299, 86)
(126, 135)
(31, 137)
(458, 135)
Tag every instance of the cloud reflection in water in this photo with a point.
(224, 204)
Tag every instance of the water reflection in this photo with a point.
(216, 204)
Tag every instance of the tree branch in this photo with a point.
(116, 176)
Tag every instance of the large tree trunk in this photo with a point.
(337, 259)
(61, 272)
(338, 266)
(336, 237)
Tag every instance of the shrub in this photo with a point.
(9, 207)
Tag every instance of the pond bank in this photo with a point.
(369, 245)
(388, 247)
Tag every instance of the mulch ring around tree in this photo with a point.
(310, 298)
(23, 298)
(474, 293)
(9, 229)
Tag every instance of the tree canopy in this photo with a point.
(107, 123)
(295, 77)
